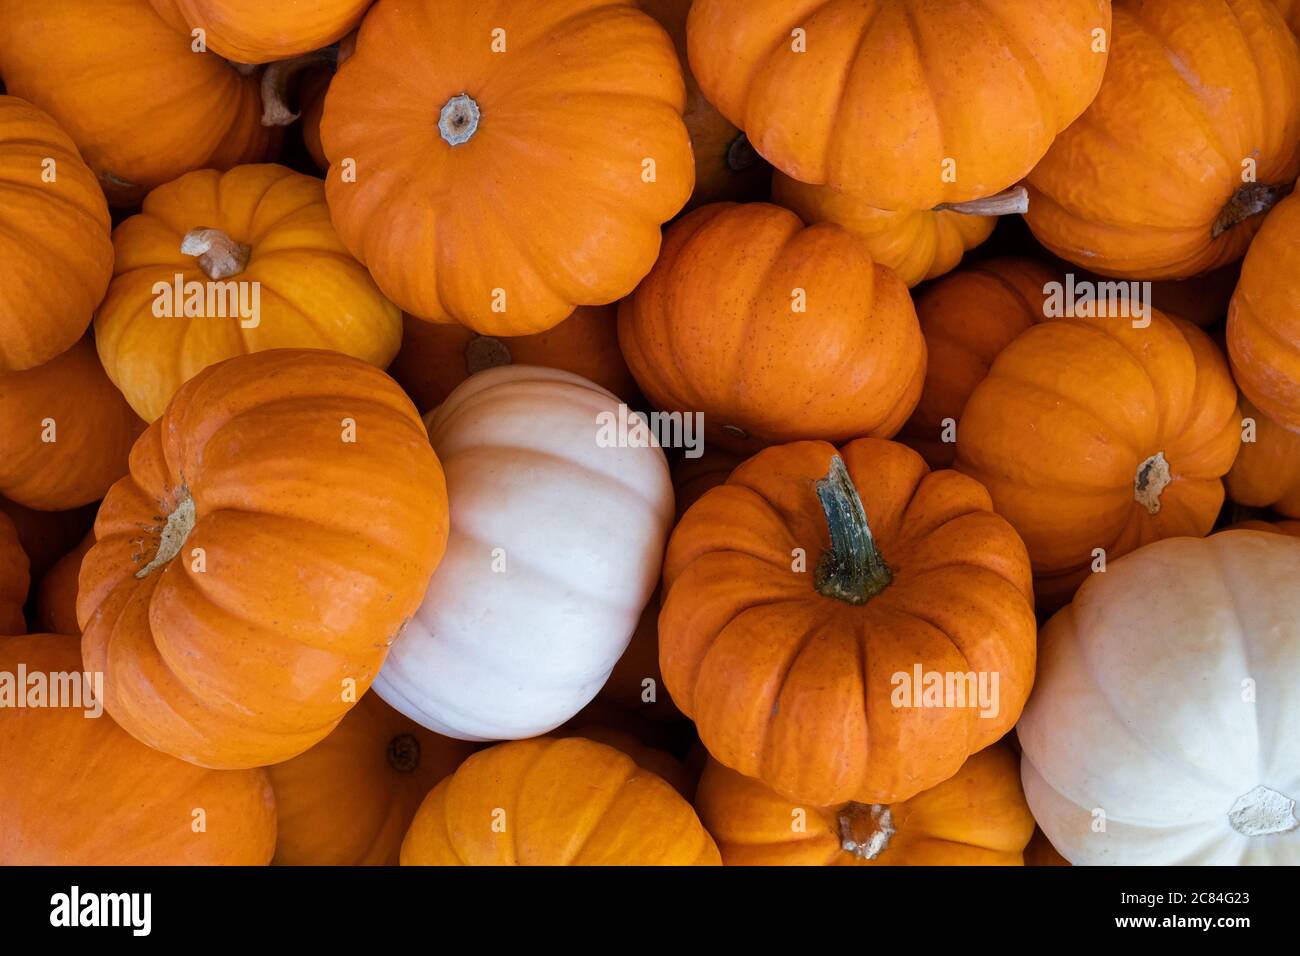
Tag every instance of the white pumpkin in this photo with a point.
(1164, 726)
(556, 546)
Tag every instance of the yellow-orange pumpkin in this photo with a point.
(15, 577)
(1266, 473)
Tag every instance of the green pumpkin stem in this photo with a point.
(851, 570)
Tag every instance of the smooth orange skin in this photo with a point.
(1133, 189)
(1267, 472)
(91, 795)
(140, 104)
(1066, 415)
(967, 318)
(94, 429)
(258, 31)
(918, 245)
(316, 550)
(546, 203)
(885, 92)
(55, 247)
(15, 578)
(714, 329)
(56, 596)
(1040, 851)
(313, 293)
(1264, 318)
(794, 688)
(565, 802)
(433, 359)
(978, 817)
(344, 802)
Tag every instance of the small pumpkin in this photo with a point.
(977, 817)
(65, 431)
(657, 761)
(1164, 733)
(15, 578)
(1266, 473)
(1264, 318)
(1096, 436)
(277, 529)
(773, 330)
(140, 102)
(56, 597)
(803, 596)
(549, 802)
(1194, 135)
(222, 264)
(1202, 300)
(56, 251)
(47, 536)
(910, 105)
(349, 800)
(520, 166)
(556, 548)
(436, 357)
(254, 31)
(92, 795)
(692, 477)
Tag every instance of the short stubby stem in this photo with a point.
(1152, 477)
(851, 570)
(458, 121)
(1262, 811)
(865, 830)
(281, 76)
(1252, 199)
(1009, 202)
(483, 352)
(220, 256)
(404, 753)
(174, 534)
(741, 154)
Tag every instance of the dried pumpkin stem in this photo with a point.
(404, 753)
(281, 76)
(458, 121)
(852, 570)
(174, 534)
(1009, 202)
(220, 257)
(483, 352)
(1252, 199)
(741, 154)
(865, 829)
(1152, 477)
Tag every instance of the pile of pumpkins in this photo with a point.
(319, 330)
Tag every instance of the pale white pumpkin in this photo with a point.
(556, 546)
(1164, 725)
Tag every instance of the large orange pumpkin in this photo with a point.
(259, 267)
(83, 792)
(257, 31)
(1093, 434)
(56, 596)
(549, 802)
(349, 800)
(1264, 318)
(65, 431)
(967, 319)
(787, 644)
(912, 103)
(15, 578)
(1195, 134)
(140, 103)
(55, 248)
(977, 817)
(776, 332)
(277, 529)
(1267, 472)
(500, 164)
(436, 357)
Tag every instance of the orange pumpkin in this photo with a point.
(657, 761)
(1291, 11)
(918, 245)
(91, 795)
(1040, 851)
(498, 165)
(549, 802)
(1264, 318)
(255, 31)
(1194, 135)
(967, 319)
(790, 646)
(65, 431)
(1202, 300)
(1277, 527)
(349, 800)
(222, 264)
(56, 250)
(1266, 473)
(727, 169)
(910, 104)
(15, 577)
(278, 527)
(47, 536)
(436, 357)
(140, 103)
(776, 332)
(978, 817)
(1095, 434)
(692, 477)
(311, 95)
(56, 597)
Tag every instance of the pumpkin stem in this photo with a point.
(282, 75)
(404, 753)
(458, 121)
(865, 830)
(1153, 476)
(1009, 202)
(741, 154)
(852, 570)
(174, 533)
(1252, 199)
(483, 351)
(1262, 811)
(220, 257)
